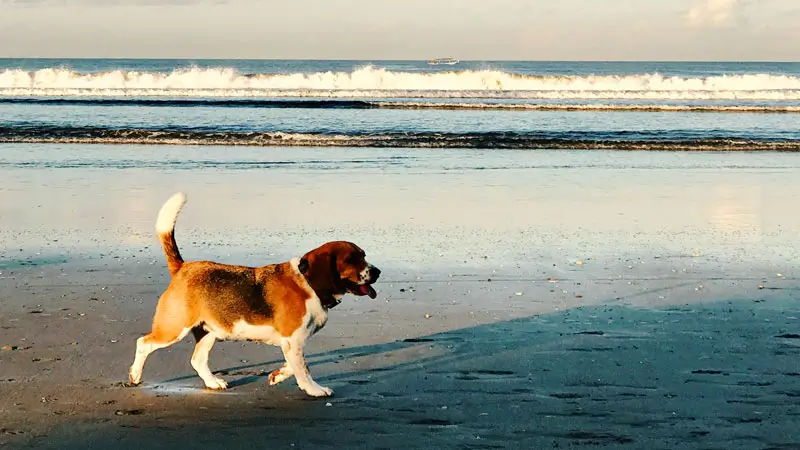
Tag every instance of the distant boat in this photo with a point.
(443, 61)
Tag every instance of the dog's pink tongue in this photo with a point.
(368, 290)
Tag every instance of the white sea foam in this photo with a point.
(420, 140)
(371, 82)
(590, 107)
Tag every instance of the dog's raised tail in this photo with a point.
(165, 228)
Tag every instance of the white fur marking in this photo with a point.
(363, 276)
(200, 363)
(262, 333)
(168, 214)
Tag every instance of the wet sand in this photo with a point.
(623, 308)
(581, 361)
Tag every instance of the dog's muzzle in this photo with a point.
(374, 273)
(371, 277)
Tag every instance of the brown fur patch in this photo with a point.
(174, 258)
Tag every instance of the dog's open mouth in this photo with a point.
(364, 289)
(367, 289)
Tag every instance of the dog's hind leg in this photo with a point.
(148, 344)
(200, 362)
(170, 324)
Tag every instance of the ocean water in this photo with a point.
(402, 104)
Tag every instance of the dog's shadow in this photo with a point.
(259, 372)
(455, 346)
(490, 350)
(249, 374)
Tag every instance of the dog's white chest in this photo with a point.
(261, 333)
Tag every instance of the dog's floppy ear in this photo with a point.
(303, 266)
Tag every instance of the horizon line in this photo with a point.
(404, 59)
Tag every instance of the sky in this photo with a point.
(663, 30)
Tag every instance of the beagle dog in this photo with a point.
(279, 304)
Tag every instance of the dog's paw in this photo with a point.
(134, 377)
(278, 376)
(216, 384)
(319, 391)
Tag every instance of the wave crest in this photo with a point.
(621, 140)
(404, 105)
(370, 81)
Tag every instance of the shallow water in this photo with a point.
(448, 208)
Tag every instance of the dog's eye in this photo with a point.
(351, 258)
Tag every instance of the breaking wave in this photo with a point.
(363, 104)
(372, 82)
(619, 140)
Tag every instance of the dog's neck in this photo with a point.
(329, 301)
(327, 297)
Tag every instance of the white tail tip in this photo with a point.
(165, 222)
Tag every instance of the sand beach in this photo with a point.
(567, 300)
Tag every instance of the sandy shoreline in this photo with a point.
(649, 301)
(671, 363)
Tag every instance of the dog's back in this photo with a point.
(222, 295)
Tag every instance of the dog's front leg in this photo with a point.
(293, 352)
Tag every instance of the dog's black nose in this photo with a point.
(374, 273)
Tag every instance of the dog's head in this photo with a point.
(337, 268)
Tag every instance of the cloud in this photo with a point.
(715, 13)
